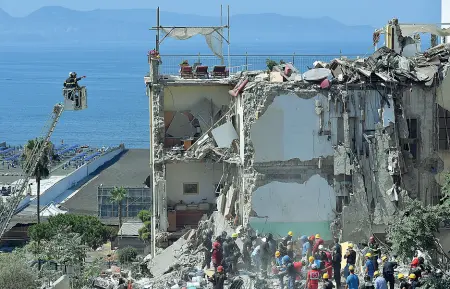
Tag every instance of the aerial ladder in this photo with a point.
(74, 99)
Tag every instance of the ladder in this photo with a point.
(19, 191)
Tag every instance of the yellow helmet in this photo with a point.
(376, 273)
(350, 245)
(311, 259)
(234, 235)
(290, 233)
(317, 236)
(325, 276)
(412, 276)
(384, 258)
(401, 276)
(277, 254)
(351, 268)
(368, 255)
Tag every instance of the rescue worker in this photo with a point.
(403, 282)
(419, 267)
(290, 270)
(298, 268)
(71, 83)
(350, 256)
(290, 250)
(235, 252)
(352, 279)
(318, 241)
(337, 258)
(374, 250)
(306, 247)
(327, 283)
(246, 251)
(281, 270)
(388, 271)
(326, 260)
(413, 282)
(282, 248)
(370, 266)
(288, 238)
(380, 282)
(368, 284)
(218, 278)
(265, 256)
(207, 248)
(312, 278)
(256, 257)
(216, 255)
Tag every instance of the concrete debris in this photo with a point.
(224, 135)
(316, 74)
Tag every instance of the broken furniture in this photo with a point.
(187, 142)
(219, 71)
(186, 72)
(201, 71)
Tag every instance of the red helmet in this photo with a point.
(220, 269)
(216, 245)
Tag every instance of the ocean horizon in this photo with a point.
(31, 79)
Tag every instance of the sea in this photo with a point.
(31, 79)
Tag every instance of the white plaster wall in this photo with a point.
(75, 177)
(205, 174)
(312, 201)
(181, 98)
(289, 129)
(445, 15)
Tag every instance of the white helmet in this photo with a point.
(313, 266)
(320, 247)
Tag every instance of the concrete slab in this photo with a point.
(180, 126)
(162, 262)
(275, 76)
(224, 135)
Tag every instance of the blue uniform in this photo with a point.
(352, 281)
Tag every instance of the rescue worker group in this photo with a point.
(306, 258)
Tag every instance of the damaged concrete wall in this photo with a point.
(290, 129)
(205, 174)
(306, 208)
(287, 162)
(181, 98)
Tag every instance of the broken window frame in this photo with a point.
(190, 193)
(443, 116)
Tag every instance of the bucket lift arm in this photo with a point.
(18, 192)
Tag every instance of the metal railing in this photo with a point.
(239, 62)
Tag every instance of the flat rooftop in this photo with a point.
(131, 168)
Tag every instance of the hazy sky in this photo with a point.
(351, 12)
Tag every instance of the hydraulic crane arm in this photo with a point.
(19, 191)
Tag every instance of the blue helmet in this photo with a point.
(304, 238)
(286, 259)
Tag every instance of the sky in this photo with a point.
(350, 12)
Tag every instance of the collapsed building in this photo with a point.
(337, 150)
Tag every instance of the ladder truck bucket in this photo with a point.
(75, 98)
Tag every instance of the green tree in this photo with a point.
(42, 168)
(16, 273)
(144, 233)
(93, 233)
(118, 194)
(416, 226)
(127, 255)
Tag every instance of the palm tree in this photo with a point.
(118, 194)
(42, 169)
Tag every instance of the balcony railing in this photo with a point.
(239, 62)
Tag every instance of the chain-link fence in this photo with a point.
(171, 62)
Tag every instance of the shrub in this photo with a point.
(127, 255)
